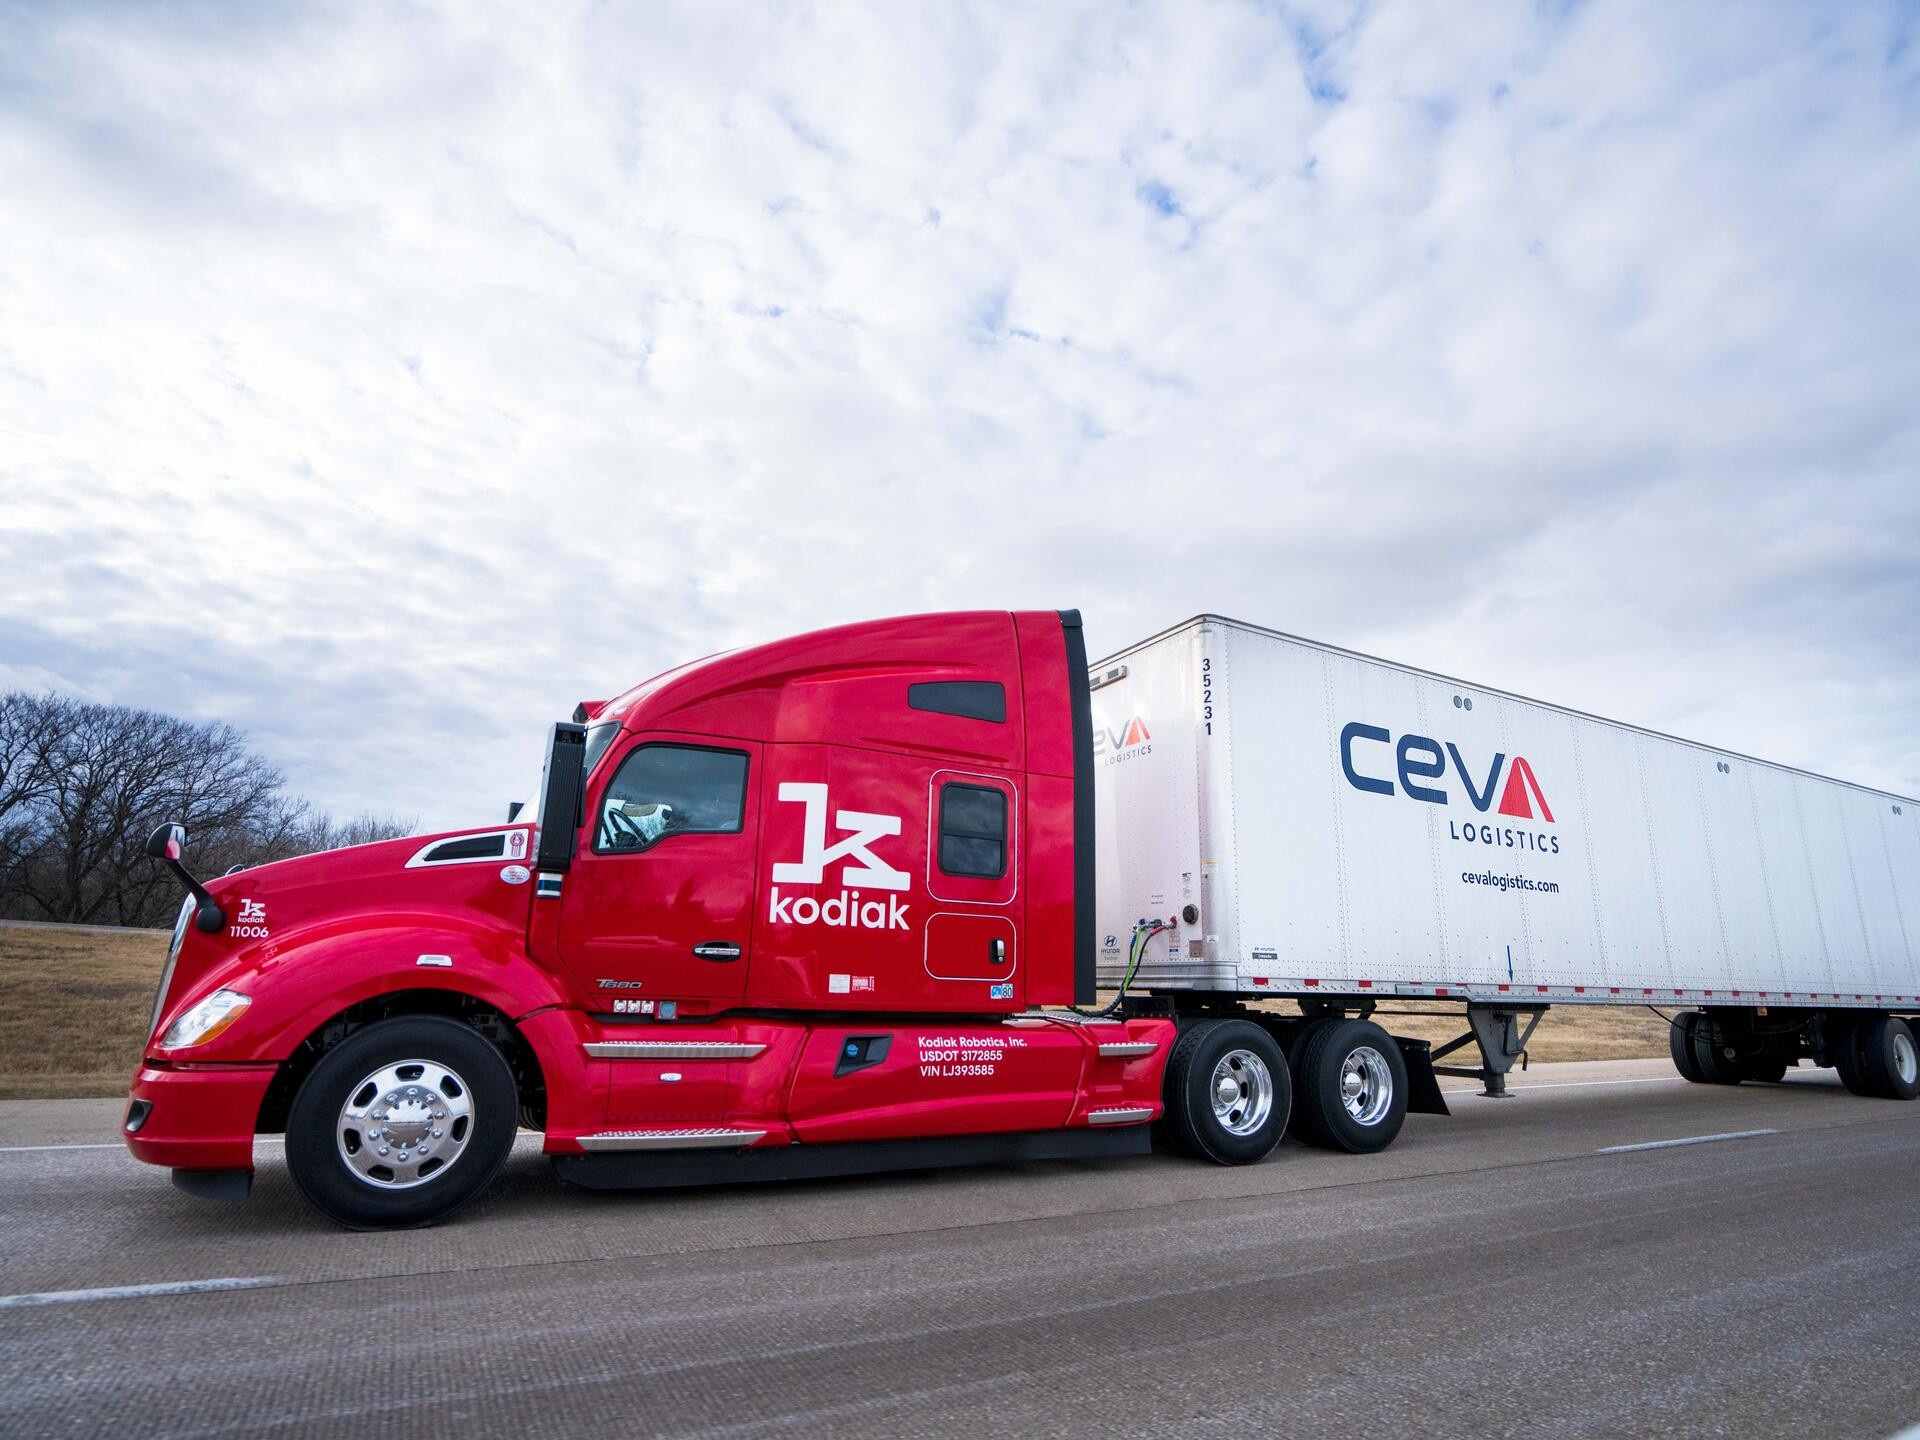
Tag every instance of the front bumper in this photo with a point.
(196, 1118)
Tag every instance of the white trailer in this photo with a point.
(1312, 824)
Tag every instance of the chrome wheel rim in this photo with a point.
(1242, 1092)
(405, 1125)
(1905, 1061)
(1366, 1085)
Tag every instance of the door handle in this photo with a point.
(717, 950)
(997, 952)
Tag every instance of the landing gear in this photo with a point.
(1228, 1092)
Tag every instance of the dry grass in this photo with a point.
(73, 1008)
(1568, 1032)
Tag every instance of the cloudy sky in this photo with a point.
(385, 380)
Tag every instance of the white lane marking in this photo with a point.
(1687, 1140)
(135, 1292)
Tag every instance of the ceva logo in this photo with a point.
(1129, 736)
(859, 866)
(1418, 758)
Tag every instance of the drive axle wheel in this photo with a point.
(1352, 1085)
(401, 1123)
(1227, 1090)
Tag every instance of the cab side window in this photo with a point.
(973, 831)
(665, 790)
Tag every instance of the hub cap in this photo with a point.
(1905, 1062)
(1242, 1091)
(1366, 1085)
(405, 1124)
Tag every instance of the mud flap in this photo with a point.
(229, 1185)
(1423, 1088)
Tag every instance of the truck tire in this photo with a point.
(1843, 1049)
(401, 1123)
(1889, 1061)
(1228, 1092)
(1305, 1124)
(1717, 1066)
(1352, 1082)
(1680, 1041)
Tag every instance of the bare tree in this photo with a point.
(82, 785)
(26, 722)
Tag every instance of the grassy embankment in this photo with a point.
(74, 1007)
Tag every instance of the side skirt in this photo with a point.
(658, 1169)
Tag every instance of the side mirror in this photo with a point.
(167, 844)
(562, 786)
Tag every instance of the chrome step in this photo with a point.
(1113, 1049)
(672, 1049)
(707, 1139)
(1120, 1115)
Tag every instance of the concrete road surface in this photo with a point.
(1507, 1271)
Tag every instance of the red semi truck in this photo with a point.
(821, 906)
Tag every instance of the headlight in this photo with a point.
(205, 1020)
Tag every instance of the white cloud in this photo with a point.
(386, 381)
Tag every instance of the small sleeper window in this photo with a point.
(973, 831)
(969, 699)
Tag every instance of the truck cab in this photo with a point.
(817, 906)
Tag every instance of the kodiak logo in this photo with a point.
(860, 866)
(1418, 760)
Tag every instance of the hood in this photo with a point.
(463, 879)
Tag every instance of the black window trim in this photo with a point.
(941, 832)
(740, 816)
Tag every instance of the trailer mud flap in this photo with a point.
(659, 1169)
(1423, 1087)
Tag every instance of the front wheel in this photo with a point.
(401, 1124)
(1227, 1090)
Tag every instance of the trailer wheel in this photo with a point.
(1680, 1041)
(1352, 1082)
(1228, 1092)
(1718, 1064)
(401, 1123)
(1763, 1069)
(1889, 1061)
(1843, 1049)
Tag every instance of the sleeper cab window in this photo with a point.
(973, 831)
(665, 790)
(969, 699)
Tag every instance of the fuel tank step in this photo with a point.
(702, 1139)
